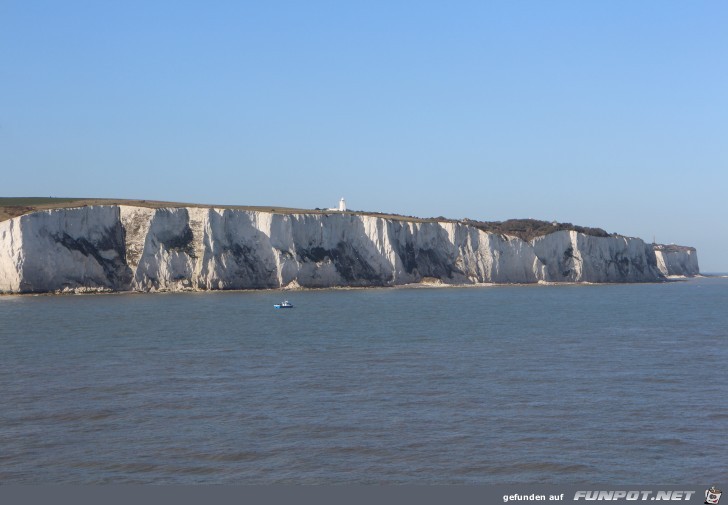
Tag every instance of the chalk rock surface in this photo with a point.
(126, 248)
(674, 260)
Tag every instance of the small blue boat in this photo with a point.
(285, 305)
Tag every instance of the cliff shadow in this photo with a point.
(337, 250)
(75, 248)
(237, 254)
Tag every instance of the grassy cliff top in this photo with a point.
(670, 248)
(11, 207)
(526, 229)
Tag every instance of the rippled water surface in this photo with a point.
(518, 384)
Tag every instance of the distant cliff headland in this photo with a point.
(100, 245)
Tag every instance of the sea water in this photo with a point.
(488, 385)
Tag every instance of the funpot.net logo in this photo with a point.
(634, 495)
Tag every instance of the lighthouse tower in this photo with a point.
(342, 205)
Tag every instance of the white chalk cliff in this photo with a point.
(124, 248)
(675, 260)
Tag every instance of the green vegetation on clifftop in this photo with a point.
(528, 229)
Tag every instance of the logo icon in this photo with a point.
(712, 496)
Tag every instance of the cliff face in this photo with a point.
(121, 248)
(676, 260)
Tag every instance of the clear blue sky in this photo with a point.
(611, 114)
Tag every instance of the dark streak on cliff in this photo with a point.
(347, 261)
(181, 242)
(115, 268)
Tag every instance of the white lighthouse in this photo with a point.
(342, 205)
